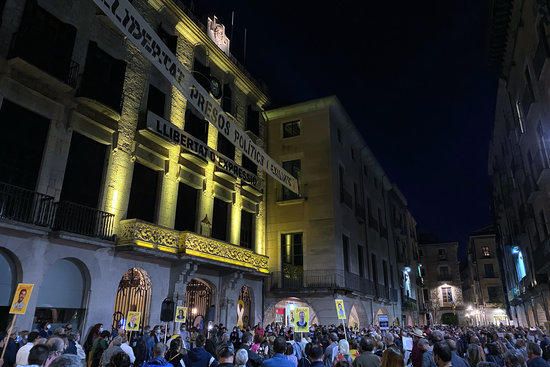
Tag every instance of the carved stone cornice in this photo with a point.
(148, 235)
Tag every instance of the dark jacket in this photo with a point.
(199, 357)
(71, 348)
(457, 361)
(537, 362)
(11, 352)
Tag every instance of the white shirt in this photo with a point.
(128, 350)
(22, 356)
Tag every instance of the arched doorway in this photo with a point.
(198, 300)
(245, 316)
(279, 312)
(62, 295)
(134, 294)
(8, 281)
(353, 321)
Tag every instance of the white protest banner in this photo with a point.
(173, 134)
(126, 18)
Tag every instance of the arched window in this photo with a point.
(134, 294)
(198, 300)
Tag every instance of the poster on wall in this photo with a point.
(302, 319)
(133, 321)
(279, 314)
(21, 299)
(340, 310)
(383, 322)
(181, 314)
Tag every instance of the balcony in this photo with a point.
(141, 234)
(80, 219)
(382, 292)
(310, 279)
(357, 283)
(409, 303)
(25, 206)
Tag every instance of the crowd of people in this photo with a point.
(278, 346)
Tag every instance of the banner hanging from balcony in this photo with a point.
(139, 32)
(172, 133)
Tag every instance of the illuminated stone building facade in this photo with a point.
(349, 234)
(482, 281)
(101, 214)
(519, 163)
(442, 288)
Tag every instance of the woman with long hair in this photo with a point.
(392, 358)
(93, 334)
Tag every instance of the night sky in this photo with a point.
(413, 76)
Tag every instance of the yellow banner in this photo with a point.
(21, 299)
(340, 310)
(133, 320)
(181, 314)
(301, 315)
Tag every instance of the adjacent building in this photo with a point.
(442, 289)
(482, 281)
(99, 213)
(519, 163)
(348, 235)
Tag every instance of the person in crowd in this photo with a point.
(44, 330)
(392, 357)
(159, 351)
(343, 352)
(315, 355)
(74, 347)
(241, 358)
(473, 355)
(198, 356)
(367, 358)
(278, 359)
(331, 350)
(254, 360)
(66, 360)
(494, 354)
(427, 353)
(94, 333)
(514, 358)
(22, 356)
(126, 348)
(521, 345)
(38, 355)
(457, 361)
(100, 345)
(289, 354)
(119, 360)
(442, 354)
(140, 350)
(10, 347)
(112, 349)
(534, 353)
(225, 356)
(176, 354)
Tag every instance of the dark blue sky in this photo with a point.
(413, 76)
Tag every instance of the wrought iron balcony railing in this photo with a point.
(26, 206)
(80, 219)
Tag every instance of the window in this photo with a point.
(249, 165)
(186, 208)
(220, 219)
(339, 135)
(345, 244)
(447, 294)
(542, 219)
(485, 251)
(253, 120)
(442, 254)
(391, 275)
(195, 126)
(341, 183)
(426, 295)
(292, 249)
(365, 171)
(352, 152)
(541, 52)
(528, 97)
(291, 129)
(420, 253)
(225, 147)
(156, 101)
(492, 292)
(247, 229)
(444, 272)
(169, 40)
(201, 72)
(385, 272)
(489, 270)
(374, 269)
(143, 193)
(294, 168)
(361, 261)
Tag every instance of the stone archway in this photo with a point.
(200, 302)
(353, 319)
(62, 295)
(8, 282)
(283, 304)
(133, 294)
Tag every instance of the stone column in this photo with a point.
(228, 298)
(179, 277)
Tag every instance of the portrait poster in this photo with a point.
(181, 314)
(302, 319)
(133, 320)
(340, 310)
(21, 299)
